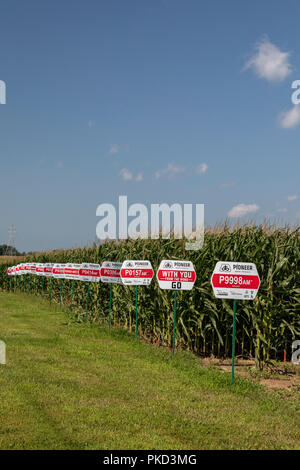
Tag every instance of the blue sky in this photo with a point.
(162, 101)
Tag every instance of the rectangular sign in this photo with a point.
(176, 275)
(72, 271)
(48, 268)
(136, 273)
(58, 271)
(235, 280)
(39, 269)
(89, 272)
(111, 272)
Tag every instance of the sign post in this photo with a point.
(110, 272)
(72, 272)
(136, 273)
(58, 272)
(72, 293)
(233, 341)
(176, 275)
(174, 323)
(87, 301)
(110, 301)
(237, 281)
(89, 273)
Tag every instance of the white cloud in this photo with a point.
(269, 62)
(282, 209)
(202, 169)
(290, 119)
(171, 170)
(114, 149)
(126, 174)
(139, 177)
(242, 209)
(292, 197)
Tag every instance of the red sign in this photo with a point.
(235, 280)
(89, 272)
(136, 272)
(176, 274)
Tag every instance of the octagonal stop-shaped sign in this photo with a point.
(235, 280)
(176, 275)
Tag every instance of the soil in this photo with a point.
(283, 376)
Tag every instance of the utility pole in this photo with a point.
(11, 241)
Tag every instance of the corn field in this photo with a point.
(266, 326)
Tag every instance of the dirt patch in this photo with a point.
(281, 376)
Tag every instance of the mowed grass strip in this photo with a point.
(79, 386)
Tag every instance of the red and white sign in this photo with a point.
(32, 268)
(39, 269)
(235, 280)
(9, 271)
(176, 275)
(58, 271)
(13, 270)
(72, 271)
(26, 268)
(136, 273)
(111, 272)
(18, 270)
(48, 268)
(89, 272)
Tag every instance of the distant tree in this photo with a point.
(4, 249)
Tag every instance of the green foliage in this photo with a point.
(265, 327)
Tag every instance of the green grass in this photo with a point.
(79, 386)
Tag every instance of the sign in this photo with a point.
(89, 272)
(235, 280)
(176, 275)
(39, 269)
(136, 273)
(58, 271)
(27, 268)
(32, 268)
(72, 271)
(110, 272)
(48, 268)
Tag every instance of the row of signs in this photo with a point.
(229, 280)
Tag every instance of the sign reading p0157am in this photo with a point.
(136, 273)
(232, 280)
(179, 275)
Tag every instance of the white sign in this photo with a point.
(48, 268)
(136, 273)
(72, 271)
(39, 269)
(111, 272)
(58, 271)
(235, 280)
(176, 275)
(89, 272)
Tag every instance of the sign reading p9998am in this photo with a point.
(235, 280)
